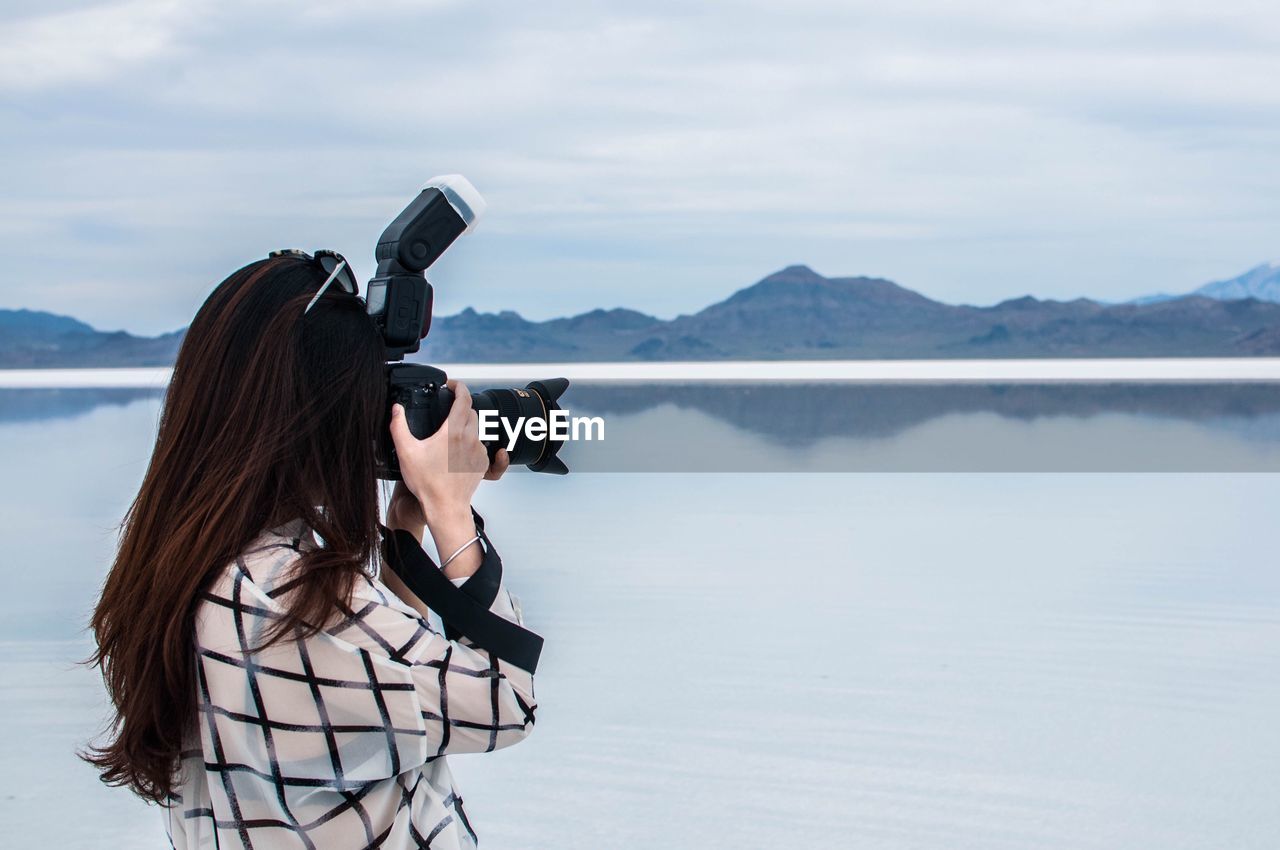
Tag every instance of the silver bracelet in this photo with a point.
(464, 547)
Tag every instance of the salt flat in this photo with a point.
(898, 662)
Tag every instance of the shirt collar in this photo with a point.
(294, 529)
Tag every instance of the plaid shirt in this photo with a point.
(336, 740)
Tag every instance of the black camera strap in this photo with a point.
(464, 610)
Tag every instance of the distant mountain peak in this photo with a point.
(794, 274)
(1259, 270)
(35, 338)
(40, 322)
(1026, 302)
(780, 282)
(602, 320)
(1030, 302)
(1261, 282)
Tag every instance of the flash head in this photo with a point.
(462, 196)
(399, 296)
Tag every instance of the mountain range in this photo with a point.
(31, 338)
(794, 313)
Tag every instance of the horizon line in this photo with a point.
(1140, 370)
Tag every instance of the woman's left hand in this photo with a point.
(405, 511)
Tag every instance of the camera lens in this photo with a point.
(514, 407)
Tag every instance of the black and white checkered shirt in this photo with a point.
(337, 740)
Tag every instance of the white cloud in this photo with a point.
(656, 156)
(91, 44)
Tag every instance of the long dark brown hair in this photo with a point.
(270, 416)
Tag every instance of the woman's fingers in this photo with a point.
(461, 411)
(500, 463)
(467, 453)
(477, 453)
(400, 433)
(404, 510)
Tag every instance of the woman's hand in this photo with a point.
(405, 512)
(440, 474)
(445, 469)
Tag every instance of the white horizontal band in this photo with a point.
(1152, 370)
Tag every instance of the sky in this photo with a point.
(654, 155)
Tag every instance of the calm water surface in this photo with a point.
(782, 660)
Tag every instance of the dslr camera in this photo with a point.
(399, 299)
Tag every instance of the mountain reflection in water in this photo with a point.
(835, 426)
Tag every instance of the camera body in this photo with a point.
(399, 300)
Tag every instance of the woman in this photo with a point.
(271, 688)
